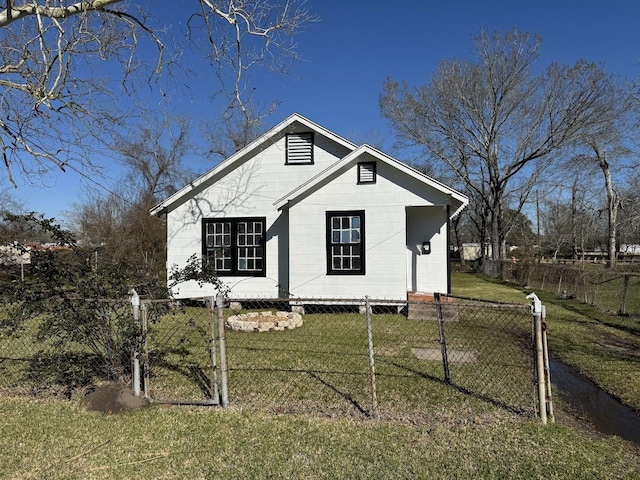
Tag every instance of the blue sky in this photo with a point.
(347, 55)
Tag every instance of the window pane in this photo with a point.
(235, 246)
(355, 263)
(346, 237)
(355, 222)
(355, 236)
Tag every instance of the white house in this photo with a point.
(302, 212)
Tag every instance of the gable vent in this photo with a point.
(300, 149)
(367, 172)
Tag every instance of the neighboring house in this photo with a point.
(14, 254)
(302, 212)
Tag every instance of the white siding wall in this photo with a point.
(384, 204)
(249, 190)
(427, 273)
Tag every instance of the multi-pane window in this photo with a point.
(345, 242)
(235, 246)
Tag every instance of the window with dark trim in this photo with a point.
(299, 149)
(235, 246)
(367, 172)
(345, 243)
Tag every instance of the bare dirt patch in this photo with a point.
(454, 356)
(114, 398)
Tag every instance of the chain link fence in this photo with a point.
(479, 350)
(616, 291)
(355, 358)
(39, 356)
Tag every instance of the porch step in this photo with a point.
(423, 306)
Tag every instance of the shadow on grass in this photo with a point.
(480, 396)
(344, 395)
(194, 374)
(315, 375)
(602, 318)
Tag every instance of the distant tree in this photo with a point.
(520, 233)
(494, 123)
(65, 64)
(236, 128)
(629, 225)
(118, 224)
(605, 146)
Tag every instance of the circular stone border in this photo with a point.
(264, 321)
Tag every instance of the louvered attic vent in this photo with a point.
(300, 149)
(367, 172)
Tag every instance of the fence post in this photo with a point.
(372, 368)
(443, 341)
(145, 346)
(623, 300)
(223, 351)
(537, 322)
(212, 340)
(135, 302)
(547, 370)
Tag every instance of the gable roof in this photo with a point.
(230, 163)
(458, 200)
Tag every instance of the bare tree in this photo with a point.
(605, 146)
(495, 124)
(630, 216)
(118, 223)
(154, 156)
(235, 128)
(56, 99)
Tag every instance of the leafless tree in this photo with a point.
(118, 222)
(494, 123)
(58, 92)
(235, 128)
(606, 146)
(153, 157)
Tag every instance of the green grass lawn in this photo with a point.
(322, 368)
(603, 347)
(457, 435)
(59, 440)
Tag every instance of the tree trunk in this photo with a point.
(612, 209)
